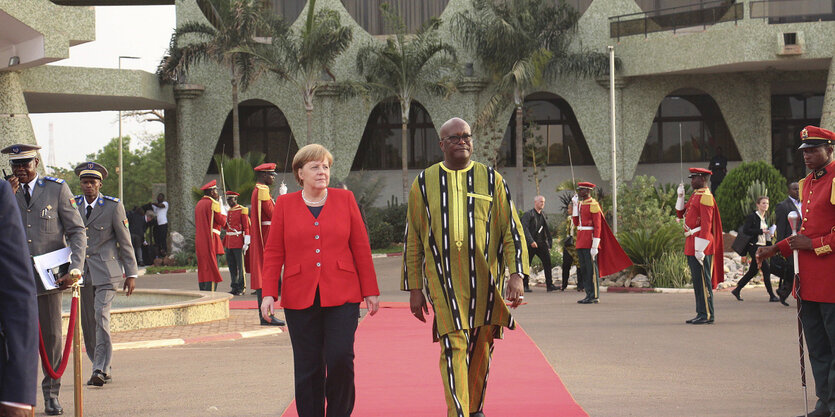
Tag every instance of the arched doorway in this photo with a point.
(264, 129)
(380, 146)
(553, 130)
(688, 127)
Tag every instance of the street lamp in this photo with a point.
(121, 168)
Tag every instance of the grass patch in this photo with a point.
(394, 248)
(167, 269)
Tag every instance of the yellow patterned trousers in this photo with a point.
(465, 364)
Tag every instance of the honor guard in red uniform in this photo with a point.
(209, 218)
(703, 242)
(236, 241)
(598, 251)
(814, 286)
(260, 217)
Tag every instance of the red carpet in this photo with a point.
(397, 373)
(253, 305)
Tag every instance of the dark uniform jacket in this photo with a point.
(536, 228)
(781, 213)
(50, 220)
(109, 248)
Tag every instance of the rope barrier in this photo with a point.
(56, 374)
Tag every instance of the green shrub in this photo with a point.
(381, 234)
(735, 186)
(395, 215)
(556, 260)
(670, 271)
(646, 246)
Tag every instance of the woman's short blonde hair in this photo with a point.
(761, 198)
(310, 153)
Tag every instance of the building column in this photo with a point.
(828, 115)
(180, 170)
(15, 126)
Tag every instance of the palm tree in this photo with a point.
(523, 44)
(305, 58)
(233, 24)
(404, 67)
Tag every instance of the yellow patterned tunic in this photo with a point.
(462, 231)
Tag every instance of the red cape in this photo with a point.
(718, 250)
(611, 257)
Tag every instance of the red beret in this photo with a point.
(585, 185)
(231, 193)
(210, 184)
(699, 171)
(812, 136)
(266, 167)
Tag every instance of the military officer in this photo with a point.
(109, 253)
(236, 241)
(814, 244)
(261, 218)
(51, 221)
(209, 218)
(703, 242)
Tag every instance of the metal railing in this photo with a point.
(705, 13)
(790, 11)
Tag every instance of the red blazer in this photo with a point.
(330, 253)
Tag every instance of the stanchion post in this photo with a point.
(76, 345)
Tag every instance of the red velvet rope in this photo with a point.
(65, 359)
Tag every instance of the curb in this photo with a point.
(385, 255)
(147, 344)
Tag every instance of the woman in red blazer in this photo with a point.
(318, 237)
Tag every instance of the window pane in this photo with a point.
(796, 105)
(651, 152)
(380, 145)
(691, 138)
(674, 106)
(814, 107)
(413, 12)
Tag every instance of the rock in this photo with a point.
(640, 278)
(158, 262)
(608, 283)
(178, 242)
(169, 261)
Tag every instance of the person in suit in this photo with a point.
(538, 236)
(236, 242)
(703, 244)
(209, 218)
(137, 225)
(260, 217)
(462, 231)
(814, 242)
(51, 219)
(18, 314)
(781, 214)
(109, 253)
(318, 238)
(756, 226)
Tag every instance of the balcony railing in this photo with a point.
(704, 14)
(790, 11)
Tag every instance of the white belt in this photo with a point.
(692, 231)
(216, 231)
(233, 233)
(585, 228)
(266, 223)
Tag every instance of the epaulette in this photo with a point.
(263, 192)
(107, 197)
(831, 192)
(53, 179)
(79, 197)
(595, 207)
(215, 206)
(707, 199)
(800, 188)
(245, 211)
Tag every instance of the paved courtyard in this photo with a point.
(630, 355)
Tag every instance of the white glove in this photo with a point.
(593, 252)
(246, 243)
(700, 256)
(223, 209)
(700, 245)
(282, 189)
(575, 206)
(680, 200)
(595, 243)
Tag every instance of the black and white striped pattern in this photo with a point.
(450, 375)
(445, 238)
(491, 289)
(471, 247)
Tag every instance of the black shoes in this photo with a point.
(553, 288)
(478, 414)
(588, 301)
(735, 292)
(98, 378)
(274, 321)
(528, 289)
(702, 320)
(783, 302)
(692, 320)
(773, 299)
(237, 292)
(53, 407)
(820, 413)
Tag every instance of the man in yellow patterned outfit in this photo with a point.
(462, 232)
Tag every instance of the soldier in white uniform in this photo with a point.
(51, 221)
(109, 253)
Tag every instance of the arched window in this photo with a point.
(688, 126)
(288, 9)
(790, 113)
(413, 12)
(380, 145)
(555, 131)
(263, 129)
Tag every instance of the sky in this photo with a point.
(141, 31)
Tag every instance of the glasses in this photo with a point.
(459, 138)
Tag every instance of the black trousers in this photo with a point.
(161, 238)
(136, 241)
(786, 277)
(753, 269)
(587, 271)
(567, 261)
(207, 286)
(545, 256)
(819, 329)
(702, 285)
(235, 260)
(323, 358)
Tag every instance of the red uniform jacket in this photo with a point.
(701, 212)
(261, 220)
(817, 195)
(610, 258)
(330, 253)
(237, 226)
(207, 224)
